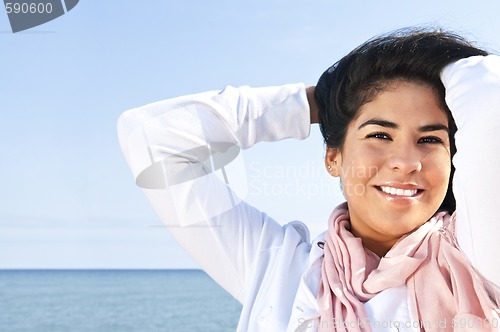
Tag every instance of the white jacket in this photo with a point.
(176, 149)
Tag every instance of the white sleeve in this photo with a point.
(473, 95)
(179, 151)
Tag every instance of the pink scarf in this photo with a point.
(442, 284)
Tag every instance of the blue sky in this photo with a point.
(67, 198)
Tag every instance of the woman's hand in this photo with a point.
(313, 107)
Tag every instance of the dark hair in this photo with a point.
(414, 55)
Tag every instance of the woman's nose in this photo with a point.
(405, 158)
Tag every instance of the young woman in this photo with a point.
(415, 245)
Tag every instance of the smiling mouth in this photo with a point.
(399, 192)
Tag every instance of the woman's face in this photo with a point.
(395, 163)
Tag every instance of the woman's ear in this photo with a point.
(332, 161)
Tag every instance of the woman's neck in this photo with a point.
(380, 247)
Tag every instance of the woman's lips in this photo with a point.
(402, 194)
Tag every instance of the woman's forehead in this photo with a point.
(404, 102)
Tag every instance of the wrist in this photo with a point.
(313, 107)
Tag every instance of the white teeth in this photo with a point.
(399, 192)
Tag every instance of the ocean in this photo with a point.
(114, 300)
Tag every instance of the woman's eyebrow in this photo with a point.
(433, 127)
(379, 122)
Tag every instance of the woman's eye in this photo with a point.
(430, 139)
(383, 136)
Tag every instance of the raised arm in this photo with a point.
(179, 150)
(473, 95)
